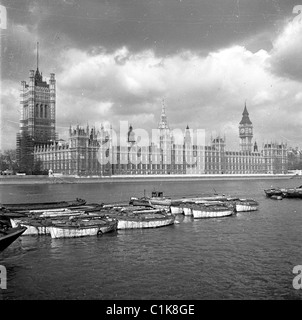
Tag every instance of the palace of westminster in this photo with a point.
(91, 152)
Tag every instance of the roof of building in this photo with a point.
(218, 140)
(245, 117)
(39, 79)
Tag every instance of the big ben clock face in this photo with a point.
(242, 130)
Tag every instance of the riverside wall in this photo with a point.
(13, 179)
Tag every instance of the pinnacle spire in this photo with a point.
(245, 116)
(245, 112)
(37, 55)
(163, 123)
(38, 76)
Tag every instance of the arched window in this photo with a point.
(45, 111)
(41, 111)
(37, 110)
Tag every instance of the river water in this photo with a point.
(247, 256)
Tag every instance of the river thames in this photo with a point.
(250, 255)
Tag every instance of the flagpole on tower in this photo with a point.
(37, 55)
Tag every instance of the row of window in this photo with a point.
(234, 160)
(41, 111)
(154, 169)
(156, 160)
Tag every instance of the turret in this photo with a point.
(187, 137)
(131, 135)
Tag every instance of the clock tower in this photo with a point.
(245, 131)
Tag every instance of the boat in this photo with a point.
(36, 226)
(240, 204)
(156, 200)
(141, 219)
(284, 192)
(187, 209)
(43, 205)
(38, 222)
(244, 205)
(140, 202)
(82, 227)
(211, 210)
(54, 213)
(176, 207)
(33, 226)
(273, 192)
(8, 235)
(184, 205)
(207, 198)
(187, 206)
(130, 209)
(144, 221)
(292, 192)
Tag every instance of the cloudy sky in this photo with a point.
(117, 59)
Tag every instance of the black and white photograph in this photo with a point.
(150, 152)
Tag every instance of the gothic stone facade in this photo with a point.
(37, 122)
(91, 152)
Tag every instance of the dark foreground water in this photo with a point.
(247, 256)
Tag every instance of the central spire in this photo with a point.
(245, 116)
(163, 123)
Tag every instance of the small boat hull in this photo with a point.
(33, 231)
(187, 211)
(159, 202)
(246, 207)
(9, 236)
(284, 193)
(212, 210)
(292, 193)
(44, 205)
(176, 210)
(34, 228)
(199, 214)
(53, 213)
(157, 199)
(140, 202)
(66, 231)
(138, 223)
(273, 192)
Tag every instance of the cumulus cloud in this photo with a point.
(9, 114)
(206, 92)
(287, 48)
